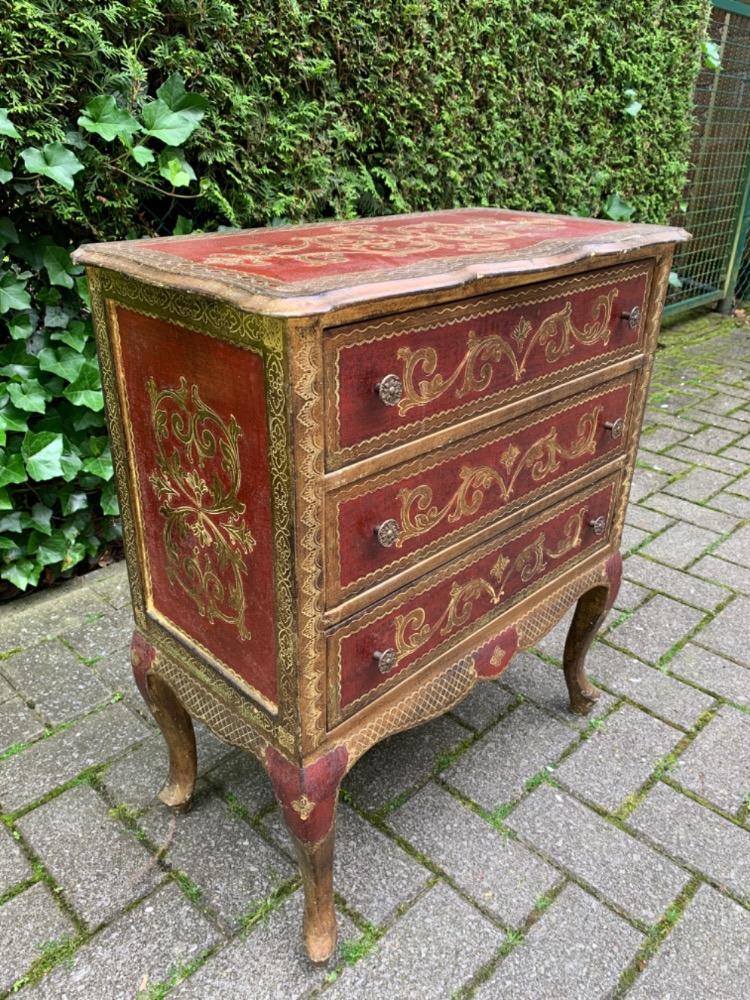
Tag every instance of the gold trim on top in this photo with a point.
(262, 335)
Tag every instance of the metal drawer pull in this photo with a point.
(387, 533)
(615, 427)
(390, 389)
(599, 524)
(633, 317)
(386, 660)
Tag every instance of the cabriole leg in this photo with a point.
(591, 610)
(175, 724)
(307, 797)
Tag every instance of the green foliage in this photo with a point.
(286, 110)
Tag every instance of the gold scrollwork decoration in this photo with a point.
(197, 481)
(412, 630)
(542, 457)
(557, 334)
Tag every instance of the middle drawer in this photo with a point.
(382, 526)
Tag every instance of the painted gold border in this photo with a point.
(358, 336)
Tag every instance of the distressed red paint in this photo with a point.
(314, 788)
(494, 656)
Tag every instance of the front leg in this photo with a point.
(175, 724)
(307, 797)
(590, 612)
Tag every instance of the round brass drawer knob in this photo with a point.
(599, 524)
(633, 316)
(387, 533)
(390, 389)
(386, 660)
(615, 427)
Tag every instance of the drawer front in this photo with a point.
(393, 380)
(384, 525)
(386, 643)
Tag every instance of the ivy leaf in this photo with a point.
(172, 127)
(618, 209)
(22, 325)
(633, 108)
(42, 452)
(6, 125)
(711, 54)
(29, 395)
(100, 465)
(86, 390)
(174, 168)
(71, 464)
(11, 469)
(22, 573)
(142, 155)
(108, 500)
(172, 92)
(12, 419)
(54, 161)
(58, 265)
(6, 169)
(41, 518)
(6, 503)
(183, 226)
(105, 118)
(76, 335)
(74, 501)
(63, 361)
(13, 294)
(8, 232)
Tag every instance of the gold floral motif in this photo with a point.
(543, 457)
(413, 630)
(303, 807)
(556, 334)
(205, 534)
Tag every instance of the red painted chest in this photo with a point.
(360, 465)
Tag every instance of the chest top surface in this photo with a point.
(296, 270)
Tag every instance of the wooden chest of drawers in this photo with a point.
(360, 465)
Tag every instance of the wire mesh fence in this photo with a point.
(717, 187)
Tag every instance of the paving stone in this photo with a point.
(578, 949)
(553, 643)
(136, 951)
(544, 684)
(28, 922)
(111, 584)
(102, 635)
(660, 419)
(736, 548)
(230, 862)
(100, 865)
(45, 615)
(737, 454)
(727, 501)
(497, 767)
(18, 724)
(649, 520)
(646, 482)
(630, 596)
(675, 583)
(647, 686)
(712, 672)
(429, 953)
(500, 874)
(726, 423)
(6, 690)
(706, 955)
(51, 762)
(726, 573)
(680, 545)
(483, 706)
(373, 874)
(721, 404)
(624, 871)
(632, 538)
(242, 776)
(716, 765)
(662, 437)
(696, 836)
(728, 631)
(14, 867)
(684, 510)
(616, 760)
(661, 462)
(699, 484)
(655, 627)
(269, 963)
(55, 681)
(712, 439)
(707, 460)
(402, 761)
(115, 670)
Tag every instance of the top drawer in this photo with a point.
(392, 380)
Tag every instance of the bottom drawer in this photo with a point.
(384, 644)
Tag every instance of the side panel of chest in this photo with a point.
(195, 414)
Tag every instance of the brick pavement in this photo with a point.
(507, 850)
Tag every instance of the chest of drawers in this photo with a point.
(360, 465)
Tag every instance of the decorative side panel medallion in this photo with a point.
(197, 479)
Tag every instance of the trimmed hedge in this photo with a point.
(320, 108)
